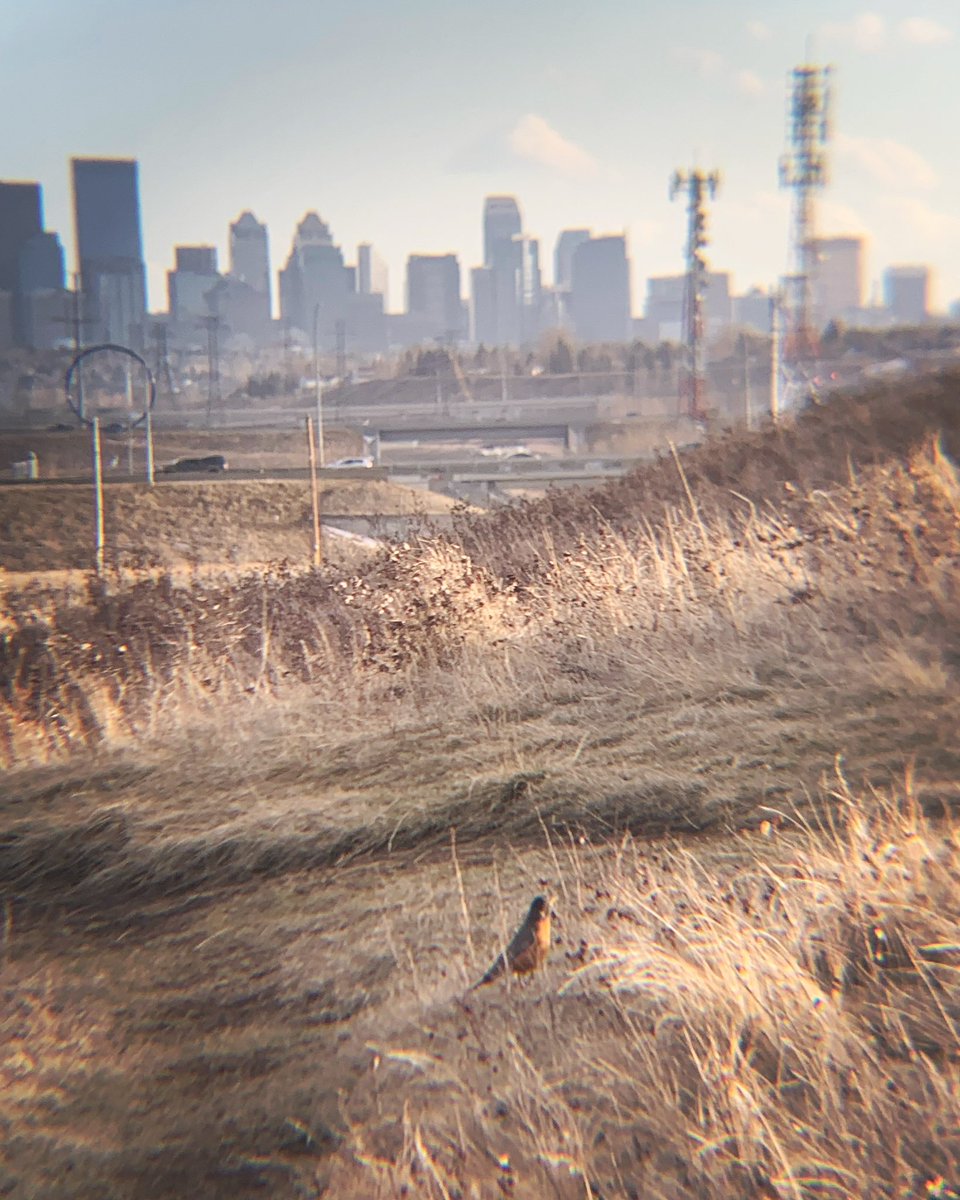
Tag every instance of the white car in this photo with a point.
(349, 463)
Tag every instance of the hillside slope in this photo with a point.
(281, 829)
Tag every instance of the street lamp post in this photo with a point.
(317, 385)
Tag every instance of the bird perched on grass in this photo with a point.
(529, 946)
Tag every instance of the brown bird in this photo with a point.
(529, 947)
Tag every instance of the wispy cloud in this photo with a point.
(866, 32)
(710, 65)
(760, 31)
(869, 32)
(749, 83)
(535, 140)
(921, 31)
(887, 162)
(920, 219)
(707, 63)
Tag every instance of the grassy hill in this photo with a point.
(261, 838)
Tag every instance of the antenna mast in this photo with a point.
(697, 185)
(803, 169)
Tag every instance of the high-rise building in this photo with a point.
(663, 311)
(31, 268)
(501, 223)
(190, 283)
(483, 307)
(250, 260)
(315, 285)
(21, 218)
(600, 290)
(567, 243)
(506, 297)
(753, 310)
(106, 200)
(372, 278)
(42, 308)
(837, 277)
(433, 296)
(906, 294)
(529, 289)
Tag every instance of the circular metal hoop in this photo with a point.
(68, 379)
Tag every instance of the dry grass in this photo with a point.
(224, 523)
(228, 823)
(778, 1021)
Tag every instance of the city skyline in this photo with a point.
(582, 126)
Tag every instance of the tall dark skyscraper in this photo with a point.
(315, 282)
(106, 205)
(600, 290)
(31, 266)
(21, 218)
(505, 292)
(250, 257)
(501, 223)
(433, 295)
(567, 243)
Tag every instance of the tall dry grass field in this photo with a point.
(261, 838)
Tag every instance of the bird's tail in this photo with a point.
(494, 973)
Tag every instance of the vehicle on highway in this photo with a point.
(343, 464)
(490, 451)
(213, 464)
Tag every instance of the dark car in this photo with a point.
(213, 464)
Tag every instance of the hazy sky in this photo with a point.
(393, 120)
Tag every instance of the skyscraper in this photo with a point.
(106, 200)
(600, 290)
(506, 291)
(315, 283)
(433, 295)
(31, 267)
(837, 277)
(190, 283)
(501, 223)
(483, 307)
(372, 279)
(250, 258)
(906, 293)
(20, 219)
(567, 243)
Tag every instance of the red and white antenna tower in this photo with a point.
(803, 169)
(697, 185)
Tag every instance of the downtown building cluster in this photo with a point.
(331, 304)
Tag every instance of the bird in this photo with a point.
(529, 946)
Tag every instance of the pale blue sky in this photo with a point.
(393, 120)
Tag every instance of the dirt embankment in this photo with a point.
(285, 824)
(230, 523)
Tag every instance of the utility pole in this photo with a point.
(696, 185)
(162, 356)
(97, 497)
(317, 383)
(803, 169)
(314, 493)
(341, 328)
(213, 365)
(149, 440)
(776, 363)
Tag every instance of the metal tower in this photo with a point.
(803, 169)
(697, 185)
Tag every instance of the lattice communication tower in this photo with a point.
(697, 185)
(803, 169)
